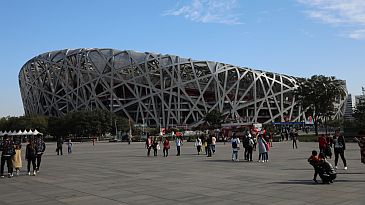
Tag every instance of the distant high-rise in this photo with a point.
(360, 98)
(349, 108)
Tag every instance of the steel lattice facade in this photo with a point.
(154, 89)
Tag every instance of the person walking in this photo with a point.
(198, 145)
(40, 147)
(69, 146)
(235, 147)
(148, 145)
(129, 138)
(322, 144)
(166, 147)
(205, 144)
(339, 148)
(16, 159)
(209, 143)
(155, 146)
(59, 146)
(262, 149)
(30, 156)
(361, 143)
(245, 144)
(294, 136)
(214, 141)
(178, 143)
(329, 140)
(250, 148)
(8, 151)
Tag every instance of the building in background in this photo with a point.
(360, 98)
(155, 89)
(349, 109)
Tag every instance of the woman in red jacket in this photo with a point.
(166, 147)
(322, 144)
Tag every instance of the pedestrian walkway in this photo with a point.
(118, 173)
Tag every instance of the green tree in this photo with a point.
(123, 124)
(359, 115)
(214, 118)
(25, 123)
(318, 94)
(57, 127)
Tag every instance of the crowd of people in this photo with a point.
(252, 140)
(206, 144)
(11, 155)
(320, 163)
(261, 141)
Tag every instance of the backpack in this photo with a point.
(30, 151)
(246, 141)
(251, 142)
(40, 147)
(234, 144)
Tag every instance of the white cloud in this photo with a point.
(348, 14)
(357, 34)
(208, 11)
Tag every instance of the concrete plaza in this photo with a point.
(118, 173)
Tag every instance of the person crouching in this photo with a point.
(326, 170)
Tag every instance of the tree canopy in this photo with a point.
(359, 115)
(214, 118)
(318, 95)
(78, 124)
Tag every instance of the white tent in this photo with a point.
(19, 132)
(30, 132)
(36, 132)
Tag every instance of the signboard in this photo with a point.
(257, 127)
(309, 121)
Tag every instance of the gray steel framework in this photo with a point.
(154, 89)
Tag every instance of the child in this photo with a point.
(198, 145)
(69, 146)
(17, 158)
(314, 161)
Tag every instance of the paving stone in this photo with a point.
(118, 173)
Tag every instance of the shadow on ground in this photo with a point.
(311, 182)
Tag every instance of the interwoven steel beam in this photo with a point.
(154, 89)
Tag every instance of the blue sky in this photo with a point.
(296, 37)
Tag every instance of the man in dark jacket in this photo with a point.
(7, 148)
(40, 147)
(59, 146)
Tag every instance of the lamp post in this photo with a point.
(116, 130)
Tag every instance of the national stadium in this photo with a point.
(155, 89)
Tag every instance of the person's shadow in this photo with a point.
(311, 182)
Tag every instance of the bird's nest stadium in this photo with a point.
(155, 89)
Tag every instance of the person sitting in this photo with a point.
(326, 170)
